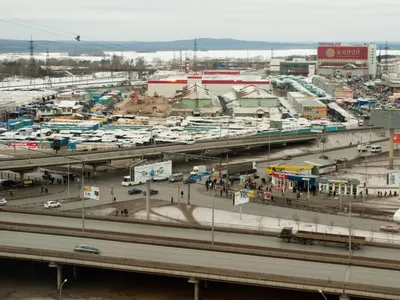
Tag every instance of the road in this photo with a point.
(234, 262)
(201, 235)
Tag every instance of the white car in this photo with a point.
(52, 204)
(3, 201)
(390, 228)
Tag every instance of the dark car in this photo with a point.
(134, 191)
(86, 249)
(152, 192)
(189, 180)
(287, 157)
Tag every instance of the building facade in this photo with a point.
(346, 60)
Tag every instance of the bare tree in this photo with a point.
(260, 227)
(278, 217)
(331, 225)
(296, 219)
(372, 234)
(316, 222)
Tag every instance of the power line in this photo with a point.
(68, 32)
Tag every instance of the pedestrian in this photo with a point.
(122, 212)
(366, 192)
(172, 200)
(46, 190)
(390, 193)
(11, 194)
(385, 194)
(115, 199)
(226, 192)
(182, 194)
(41, 189)
(220, 193)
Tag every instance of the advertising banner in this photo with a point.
(91, 192)
(342, 53)
(318, 128)
(32, 145)
(241, 197)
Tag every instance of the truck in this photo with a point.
(309, 237)
(141, 174)
(241, 168)
(198, 170)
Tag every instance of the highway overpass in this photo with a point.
(203, 262)
(202, 265)
(19, 164)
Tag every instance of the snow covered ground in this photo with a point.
(232, 219)
(95, 79)
(169, 55)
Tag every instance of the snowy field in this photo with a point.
(169, 55)
(232, 219)
(95, 79)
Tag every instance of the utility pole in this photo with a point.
(48, 71)
(195, 56)
(32, 63)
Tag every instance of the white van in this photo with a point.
(376, 149)
(176, 177)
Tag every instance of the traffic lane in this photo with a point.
(349, 153)
(228, 261)
(195, 234)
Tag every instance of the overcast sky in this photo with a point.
(164, 20)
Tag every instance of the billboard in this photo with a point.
(342, 53)
(241, 197)
(32, 145)
(393, 178)
(92, 192)
(147, 172)
(318, 128)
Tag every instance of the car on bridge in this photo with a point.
(152, 192)
(390, 228)
(134, 191)
(3, 201)
(52, 204)
(86, 249)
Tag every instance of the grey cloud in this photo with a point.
(274, 20)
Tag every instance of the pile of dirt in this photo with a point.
(146, 106)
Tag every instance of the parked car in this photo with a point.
(390, 228)
(189, 180)
(341, 160)
(287, 157)
(152, 192)
(52, 204)
(134, 191)
(324, 157)
(3, 202)
(160, 178)
(86, 249)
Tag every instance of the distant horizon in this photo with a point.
(208, 38)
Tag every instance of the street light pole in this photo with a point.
(59, 296)
(212, 221)
(83, 197)
(322, 294)
(68, 181)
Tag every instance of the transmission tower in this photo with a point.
(195, 55)
(32, 62)
(386, 60)
(48, 71)
(180, 60)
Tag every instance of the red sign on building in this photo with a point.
(396, 138)
(342, 53)
(32, 145)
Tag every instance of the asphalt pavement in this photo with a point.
(195, 234)
(228, 261)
